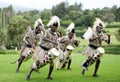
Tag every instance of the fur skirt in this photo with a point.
(88, 51)
(39, 54)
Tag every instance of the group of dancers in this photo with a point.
(44, 45)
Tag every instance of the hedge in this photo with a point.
(12, 52)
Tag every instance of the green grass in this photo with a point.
(109, 70)
(111, 30)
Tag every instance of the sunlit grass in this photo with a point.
(108, 72)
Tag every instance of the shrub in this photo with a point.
(112, 49)
(113, 25)
(12, 52)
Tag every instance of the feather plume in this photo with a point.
(37, 23)
(97, 22)
(54, 19)
(70, 27)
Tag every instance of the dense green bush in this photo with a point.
(113, 25)
(117, 34)
(6, 52)
(79, 34)
(112, 49)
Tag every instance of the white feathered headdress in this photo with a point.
(87, 35)
(37, 23)
(97, 22)
(54, 19)
(70, 27)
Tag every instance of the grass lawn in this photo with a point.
(109, 70)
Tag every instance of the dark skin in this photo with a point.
(21, 58)
(70, 35)
(39, 28)
(98, 29)
(53, 29)
(98, 37)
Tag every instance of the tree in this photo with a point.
(7, 13)
(96, 13)
(33, 12)
(45, 15)
(109, 17)
(65, 23)
(118, 34)
(85, 20)
(117, 14)
(114, 9)
(74, 13)
(0, 17)
(16, 29)
(78, 5)
(1, 34)
(60, 10)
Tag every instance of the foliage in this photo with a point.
(66, 12)
(65, 23)
(106, 14)
(6, 14)
(10, 52)
(16, 30)
(60, 10)
(117, 14)
(61, 31)
(75, 15)
(30, 16)
(3, 36)
(117, 34)
(86, 20)
(45, 16)
(113, 25)
(109, 17)
(112, 49)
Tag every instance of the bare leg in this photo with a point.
(50, 70)
(28, 75)
(69, 63)
(96, 68)
(85, 65)
(32, 69)
(37, 69)
(64, 65)
(20, 60)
